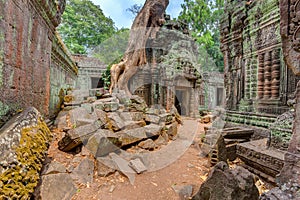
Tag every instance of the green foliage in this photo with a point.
(84, 26)
(203, 17)
(113, 48)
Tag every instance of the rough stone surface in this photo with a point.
(29, 65)
(105, 167)
(56, 187)
(172, 130)
(102, 143)
(123, 166)
(223, 183)
(153, 130)
(137, 165)
(84, 172)
(184, 191)
(152, 118)
(147, 144)
(24, 141)
(131, 136)
(115, 121)
(53, 168)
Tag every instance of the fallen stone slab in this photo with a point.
(172, 130)
(56, 187)
(53, 168)
(123, 167)
(134, 124)
(61, 120)
(98, 105)
(137, 165)
(230, 184)
(76, 137)
(167, 118)
(102, 117)
(105, 166)
(137, 116)
(147, 144)
(84, 172)
(80, 114)
(24, 141)
(102, 143)
(131, 136)
(110, 106)
(114, 121)
(155, 119)
(184, 191)
(153, 130)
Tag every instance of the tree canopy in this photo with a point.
(84, 26)
(203, 17)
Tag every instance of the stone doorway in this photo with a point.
(97, 82)
(181, 101)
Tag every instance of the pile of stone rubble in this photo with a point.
(115, 122)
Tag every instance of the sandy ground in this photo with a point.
(185, 168)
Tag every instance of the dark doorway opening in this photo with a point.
(178, 102)
(219, 96)
(97, 82)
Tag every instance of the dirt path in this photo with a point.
(188, 168)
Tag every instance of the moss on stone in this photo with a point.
(19, 181)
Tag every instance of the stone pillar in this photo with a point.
(275, 74)
(267, 75)
(260, 84)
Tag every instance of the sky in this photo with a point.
(116, 10)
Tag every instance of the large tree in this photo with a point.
(145, 26)
(203, 17)
(84, 26)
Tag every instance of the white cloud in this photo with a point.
(116, 10)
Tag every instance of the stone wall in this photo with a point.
(27, 32)
(63, 74)
(256, 76)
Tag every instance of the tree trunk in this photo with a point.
(145, 26)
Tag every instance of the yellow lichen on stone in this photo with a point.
(19, 182)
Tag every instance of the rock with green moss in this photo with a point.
(24, 141)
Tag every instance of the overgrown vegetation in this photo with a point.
(203, 18)
(84, 26)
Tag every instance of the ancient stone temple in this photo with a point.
(256, 76)
(34, 64)
(89, 72)
(259, 39)
(172, 76)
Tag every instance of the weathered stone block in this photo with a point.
(152, 118)
(111, 106)
(105, 166)
(134, 124)
(56, 187)
(84, 172)
(131, 136)
(147, 144)
(114, 121)
(224, 183)
(172, 130)
(76, 137)
(102, 143)
(153, 130)
(24, 141)
(137, 165)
